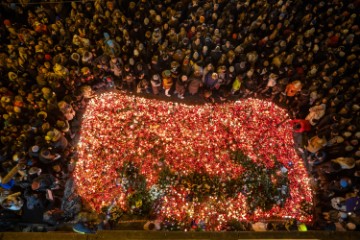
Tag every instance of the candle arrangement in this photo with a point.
(212, 163)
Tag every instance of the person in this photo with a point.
(347, 204)
(116, 69)
(315, 144)
(180, 86)
(67, 110)
(154, 225)
(33, 200)
(143, 85)
(155, 84)
(341, 185)
(87, 223)
(211, 81)
(259, 226)
(293, 88)
(236, 85)
(44, 182)
(167, 82)
(47, 157)
(195, 83)
(12, 202)
(315, 113)
(129, 78)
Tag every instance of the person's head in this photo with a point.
(151, 226)
(35, 148)
(250, 73)
(7, 203)
(205, 49)
(214, 76)
(113, 59)
(197, 41)
(56, 168)
(35, 185)
(154, 59)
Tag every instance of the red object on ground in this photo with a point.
(304, 125)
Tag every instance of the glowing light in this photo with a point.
(117, 128)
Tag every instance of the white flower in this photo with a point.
(155, 192)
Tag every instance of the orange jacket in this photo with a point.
(293, 88)
(167, 82)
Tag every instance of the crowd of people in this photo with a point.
(303, 55)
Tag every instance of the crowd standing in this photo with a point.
(303, 55)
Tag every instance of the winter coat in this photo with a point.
(315, 113)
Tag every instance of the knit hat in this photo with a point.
(132, 5)
(17, 109)
(85, 70)
(156, 77)
(221, 69)
(35, 148)
(215, 75)
(57, 67)
(343, 183)
(47, 57)
(158, 19)
(49, 135)
(46, 91)
(7, 22)
(166, 73)
(174, 65)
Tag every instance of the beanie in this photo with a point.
(343, 183)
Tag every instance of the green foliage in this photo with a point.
(264, 187)
(235, 225)
(140, 203)
(166, 177)
(139, 200)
